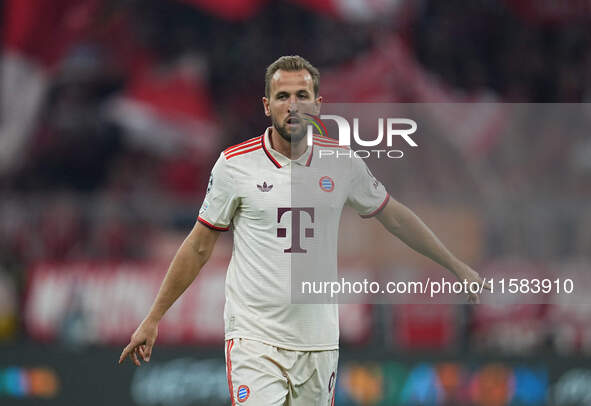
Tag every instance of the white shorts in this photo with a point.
(264, 375)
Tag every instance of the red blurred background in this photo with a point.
(113, 112)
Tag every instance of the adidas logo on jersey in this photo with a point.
(265, 187)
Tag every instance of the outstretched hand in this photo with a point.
(141, 343)
(464, 272)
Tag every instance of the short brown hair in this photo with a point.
(291, 63)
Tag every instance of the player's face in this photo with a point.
(291, 96)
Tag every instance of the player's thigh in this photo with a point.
(253, 379)
(319, 387)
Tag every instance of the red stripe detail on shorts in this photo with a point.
(229, 345)
(333, 392)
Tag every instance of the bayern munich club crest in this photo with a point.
(326, 183)
(243, 393)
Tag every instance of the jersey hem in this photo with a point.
(325, 347)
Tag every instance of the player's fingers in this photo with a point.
(134, 357)
(125, 353)
(148, 351)
(473, 298)
(487, 284)
(141, 351)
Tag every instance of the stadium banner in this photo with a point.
(86, 303)
(364, 159)
(54, 375)
(97, 303)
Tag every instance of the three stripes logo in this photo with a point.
(243, 393)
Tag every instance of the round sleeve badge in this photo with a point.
(243, 393)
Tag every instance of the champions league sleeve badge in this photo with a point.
(209, 184)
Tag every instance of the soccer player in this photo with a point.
(279, 353)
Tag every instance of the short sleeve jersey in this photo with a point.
(283, 212)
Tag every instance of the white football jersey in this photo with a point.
(285, 215)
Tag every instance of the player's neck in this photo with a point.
(284, 147)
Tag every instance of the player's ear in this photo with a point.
(266, 106)
(318, 103)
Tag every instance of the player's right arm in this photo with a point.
(184, 268)
(215, 215)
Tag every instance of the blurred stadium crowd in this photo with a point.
(109, 138)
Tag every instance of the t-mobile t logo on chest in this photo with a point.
(295, 227)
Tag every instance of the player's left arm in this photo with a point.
(410, 229)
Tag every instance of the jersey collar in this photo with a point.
(280, 160)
